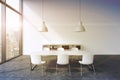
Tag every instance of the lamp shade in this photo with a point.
(43, 28)
(80, 27)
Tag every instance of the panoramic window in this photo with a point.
(12, 33)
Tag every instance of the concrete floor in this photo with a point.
(107, 68)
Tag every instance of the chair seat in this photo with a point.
(81, 62)
(42, 62)
(62, 63)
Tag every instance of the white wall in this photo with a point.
(100, 18)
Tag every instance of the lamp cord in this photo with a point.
(80, 10)
(43, 10)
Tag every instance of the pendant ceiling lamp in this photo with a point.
(80, 27)
(43, 28)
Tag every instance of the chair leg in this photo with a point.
(81, 69)
(30, 66)
(93, 69)
(90, 67)
(56, 68)
(69, 69)
(42, 69)
(33, 67)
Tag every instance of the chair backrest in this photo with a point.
(35, 59)
(87, 58)
(74, 49)
(62, 59)
(60, 49)
(46, 49)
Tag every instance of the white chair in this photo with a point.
(87, 59)
(73, 57)
(62, 59)
(36, 60)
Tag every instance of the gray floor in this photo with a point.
(107, 68)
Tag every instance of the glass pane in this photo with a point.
(13, 3)
(12, 33)
(0, 34)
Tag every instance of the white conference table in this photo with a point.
(53, 52)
